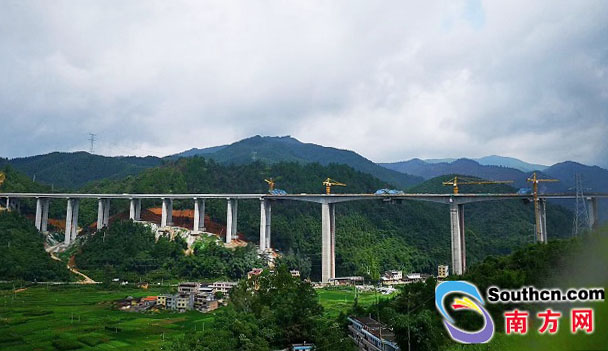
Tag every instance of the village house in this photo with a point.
(341, 281)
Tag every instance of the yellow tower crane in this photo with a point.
(454, 182)
(537, 214)
(270, 182)
(328, 184)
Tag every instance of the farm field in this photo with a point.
(81, 318)
(73, 317)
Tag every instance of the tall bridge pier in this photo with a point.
(199, 216)
(71, 220)
(265, 220)
(458, 243)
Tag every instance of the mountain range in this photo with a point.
(72, 170)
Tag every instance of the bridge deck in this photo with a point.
(304, 196)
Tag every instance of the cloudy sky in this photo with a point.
(389, 80)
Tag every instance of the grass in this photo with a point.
(338, 299)
(72, 317)
(81, 318)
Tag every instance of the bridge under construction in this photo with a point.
(328, 203)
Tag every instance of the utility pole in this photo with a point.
(92, 141)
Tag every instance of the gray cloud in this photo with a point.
(391, 81)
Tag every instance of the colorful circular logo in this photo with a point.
(471, 300)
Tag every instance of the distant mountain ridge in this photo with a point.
(595, 179)
(288, 149)
(494, 160)
(74, 169)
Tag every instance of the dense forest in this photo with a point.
(266, 313)
(560, 263)
(370, 237)
(22, 252)
(129, 251)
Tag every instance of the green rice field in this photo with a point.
(74, 317)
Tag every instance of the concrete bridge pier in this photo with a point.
(38, 218)
(138, 209)
(543, 221)
(457, 238)
(135, 209)
(199, 216)
(103, 213)
(8, 203)
(265, 218)
(71, 221)
(44, 221)
(328, 241)
(42, 214)
(231, 219)
(167, 212)
(106, 213)
(132, 209)
(592, 208)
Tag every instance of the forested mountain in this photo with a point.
(467, 167)
(288, 149)
(372, 236)
(73, 169)
(22, 252)
(559, 264)
(495, 160)
(594, 178)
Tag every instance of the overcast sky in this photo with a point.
(389, 80)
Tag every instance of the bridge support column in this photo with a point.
(458, 240)
(38, 219)
(265, 217)
(543, 220)
(231, 219)
(593, 213)
(167, 213)
(235, 212)
(44, 221)
(229, 213)
(71, 221)
(103, 213)
(199, 216)
(132, 209)
(328, 242)
(106, 212)
(138, 209)
(8, 203)
(268, 232)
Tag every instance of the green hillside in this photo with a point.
(74, 169)
(372, 236)
(559, 264)
(22, 252)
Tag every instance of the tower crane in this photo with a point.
(270, 182)
(535, 180)
(329, 183)
(454, 182)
